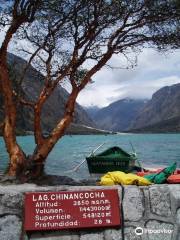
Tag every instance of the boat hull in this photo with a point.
(112, 159)
(105, 165)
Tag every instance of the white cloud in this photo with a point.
(154, 70)
(97, 95)
(145, 89)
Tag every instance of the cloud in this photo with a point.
(96, 95)
(145, 89)
(154, 70)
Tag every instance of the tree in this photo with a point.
(67, 36)
(22, 12)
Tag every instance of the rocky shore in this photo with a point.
(155, 210)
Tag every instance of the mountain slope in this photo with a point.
(164, 105)
(53, 108)
(171, 125)
(119, 115)
(92, 111)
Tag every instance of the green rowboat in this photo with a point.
(112, 159)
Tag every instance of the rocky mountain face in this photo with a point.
(160, 114)
(31, 86)
(171, 125)
(119, 115)
(92, 111)
(164, 107)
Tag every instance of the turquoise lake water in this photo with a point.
(153, 150)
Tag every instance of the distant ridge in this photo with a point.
(119, 115)
(53, 108)
(171, 125)
(162, 112)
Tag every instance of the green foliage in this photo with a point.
(79, 76)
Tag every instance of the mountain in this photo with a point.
(164, 107)
(53, 108)
(92, 111)
(119, 115)
(171, 125)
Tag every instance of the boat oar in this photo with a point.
(79, 165)
(132, 148)
(134, 151)
(96, 149)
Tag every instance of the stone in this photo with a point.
(178, 236)
(175, 190)
(92, 236)
(113, 234)
(157, 230)
(8, 179)
(178, 216)
(54, 180)
(89, 182)
(175, 193)
(130, 234)
(11, 203)
(38, 236)
(14, 188)
(160, 201)
(54, 235)
(133, 204)
(10, 228)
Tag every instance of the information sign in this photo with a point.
(77, 209)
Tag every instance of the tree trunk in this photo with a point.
(17, 156)
(20, 15)
(37, 161)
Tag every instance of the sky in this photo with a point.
(154, 70)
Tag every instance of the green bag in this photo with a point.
(162, 176)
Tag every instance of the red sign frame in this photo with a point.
(71, 209)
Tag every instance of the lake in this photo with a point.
(153, 150)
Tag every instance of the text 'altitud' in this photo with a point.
(78, 209)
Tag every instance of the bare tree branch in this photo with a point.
(1, 125)
(21, 78)
(23, 101)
